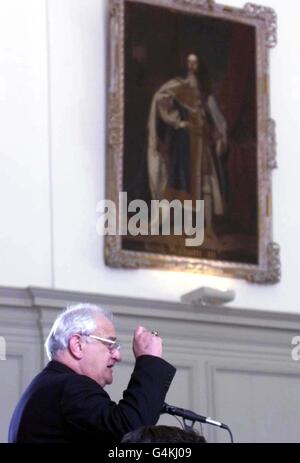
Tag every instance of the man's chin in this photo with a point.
(109, 379)
(104, 381)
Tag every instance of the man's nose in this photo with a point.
(116, 355)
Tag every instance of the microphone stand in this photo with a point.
(191, 416)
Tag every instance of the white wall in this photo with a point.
(24, 132)
(52, 151)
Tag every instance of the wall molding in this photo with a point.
(47, 298)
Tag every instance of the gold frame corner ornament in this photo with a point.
(269, 16)
(273, 273)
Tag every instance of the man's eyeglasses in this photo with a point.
(111, 345)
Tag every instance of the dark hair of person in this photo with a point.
(162, 434)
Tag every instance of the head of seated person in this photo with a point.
(162, 434)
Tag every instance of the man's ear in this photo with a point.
(75, 346)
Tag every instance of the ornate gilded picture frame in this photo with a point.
(189, 118)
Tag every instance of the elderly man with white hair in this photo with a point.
(67, 402)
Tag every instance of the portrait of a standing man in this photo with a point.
(187, 134)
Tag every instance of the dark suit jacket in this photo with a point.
(63, 406)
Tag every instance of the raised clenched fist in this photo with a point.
(145, 343)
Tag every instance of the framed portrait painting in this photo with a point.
(189, 125)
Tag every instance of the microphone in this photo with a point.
(189, 415)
